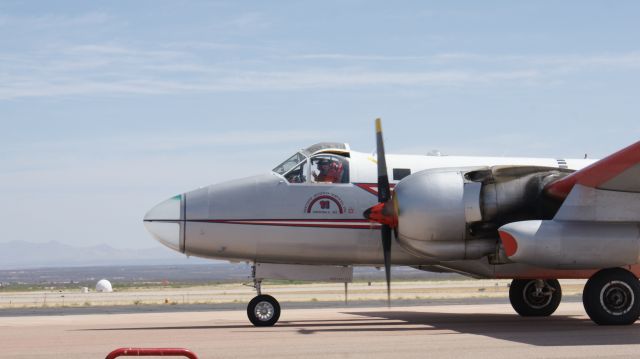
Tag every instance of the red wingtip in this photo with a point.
(598, 173)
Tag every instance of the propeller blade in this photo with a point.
(386, 250)
(384, 191)
(383, 212)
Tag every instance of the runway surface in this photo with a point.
(436, 331)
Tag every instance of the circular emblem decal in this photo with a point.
(324, 203)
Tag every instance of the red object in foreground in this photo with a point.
(145, 352)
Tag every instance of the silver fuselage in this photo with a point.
(267, 219)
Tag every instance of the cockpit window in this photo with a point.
(329, 169)
(322, 168)
(298, 174)
(289, 163)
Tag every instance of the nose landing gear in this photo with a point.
(263, 310)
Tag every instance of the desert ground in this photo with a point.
(441, 319)
(434, 331)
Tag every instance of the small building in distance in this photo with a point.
(104, 286)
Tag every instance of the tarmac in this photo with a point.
(478, 330)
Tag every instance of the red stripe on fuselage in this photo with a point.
(312, 223)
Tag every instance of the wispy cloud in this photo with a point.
(613, 60)
(250, 20)
(256, 81)
(47, 21)
(357, 57)
(115, 69)
(619, 60)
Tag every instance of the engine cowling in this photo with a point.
(454, 213)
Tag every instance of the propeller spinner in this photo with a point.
(384, 211)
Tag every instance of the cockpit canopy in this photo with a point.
(334, 147)
(325, 162)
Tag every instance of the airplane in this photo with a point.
(328, 208)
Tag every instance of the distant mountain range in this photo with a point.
(22, 254)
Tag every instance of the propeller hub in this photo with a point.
(383, 214)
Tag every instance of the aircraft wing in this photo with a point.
(617, 172)
(595, 227)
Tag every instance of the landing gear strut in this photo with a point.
(263, 310)
(612, 297)
(535, 297)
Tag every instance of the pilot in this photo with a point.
(329, 170)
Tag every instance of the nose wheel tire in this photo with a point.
(535, 297)
(263, 311)
(612, 297)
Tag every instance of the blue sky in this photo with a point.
(110, 107)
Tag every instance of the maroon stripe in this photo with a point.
(320, 220)
(367, 225)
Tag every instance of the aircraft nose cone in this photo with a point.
(169, 210)
(165, 233)
(165, 223)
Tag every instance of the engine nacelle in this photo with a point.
(572, 244)
(454, 213)
(431, 215)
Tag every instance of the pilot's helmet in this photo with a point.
(323, 162)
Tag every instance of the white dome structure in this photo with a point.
(104, 286)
